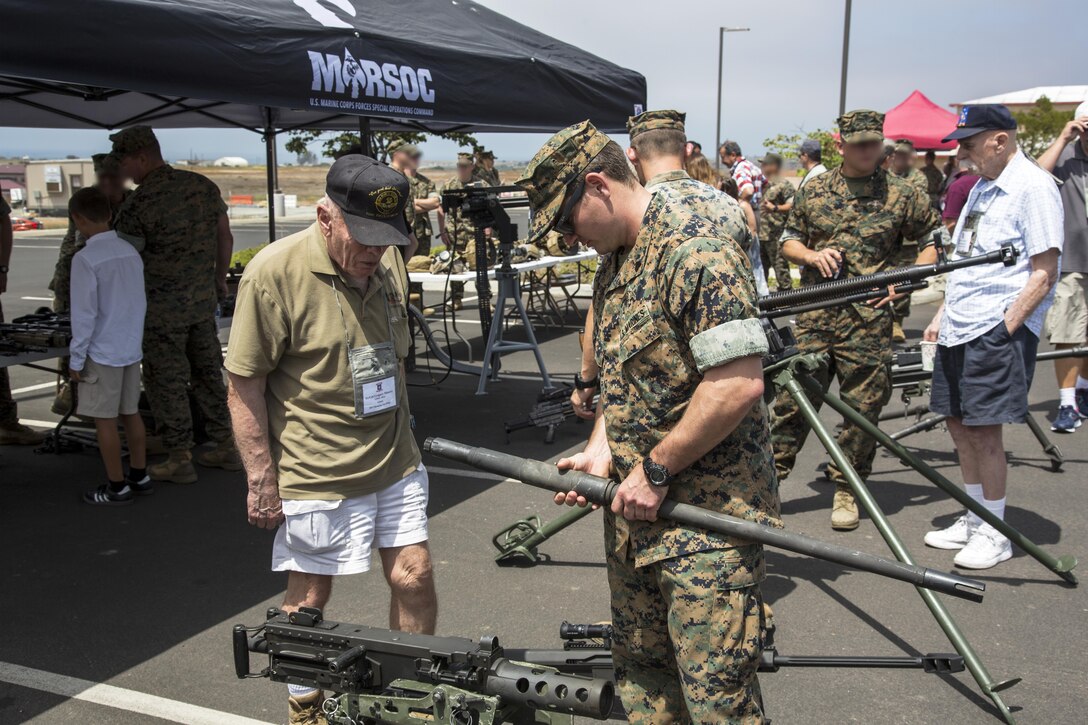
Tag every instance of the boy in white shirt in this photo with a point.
(108, 307)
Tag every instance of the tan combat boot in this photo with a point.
(17, 434)
(178, 468)
(416, 300)
(844, 511)
(306, 709)
(897, 332)
(224, 455)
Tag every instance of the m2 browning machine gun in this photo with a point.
(383, 676)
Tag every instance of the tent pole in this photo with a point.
(270, 171)
(845, 57)
(365, 137)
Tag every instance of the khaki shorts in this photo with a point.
(1067, 320)
(106, 392)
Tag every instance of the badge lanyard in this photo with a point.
(375, 370)
(968, 235)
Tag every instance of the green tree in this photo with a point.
(1039, 126)
(785, 145)
(335, 143)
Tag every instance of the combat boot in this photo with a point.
(178, 468)
(306, 709)
(224, 455)
(17, 434)
(416, 300)
(844, 511)
(897, 332)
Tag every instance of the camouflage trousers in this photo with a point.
(905, 258)
(688, 637)
(857, 354)
(464, 245)
(177, 359)
(773, 259)
(424, 244)
(9, 411)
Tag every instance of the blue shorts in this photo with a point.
(985, 381)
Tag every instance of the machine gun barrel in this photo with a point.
(839, 288)
(601, 491)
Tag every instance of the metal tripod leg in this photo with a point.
(1062, 566)
(1051, 450)
(785, 380)
(517, 543)
(496, 346)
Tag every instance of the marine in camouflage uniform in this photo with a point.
(422, 188)
(686, 603)
(934, 182)
(909, 252)
(482, 173)
(461, 231)
(867, 226)
(773, 223)
(104, 165)
(176, 215)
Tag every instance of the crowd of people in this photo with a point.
(316, 406)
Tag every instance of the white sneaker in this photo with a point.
(955, 536)
(986, 548)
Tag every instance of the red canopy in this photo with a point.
(922, 121)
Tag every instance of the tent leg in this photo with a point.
(365, 137)
(270, 166)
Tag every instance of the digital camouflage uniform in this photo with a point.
(686, 603)
(461, 232)
(868, 229)
(934, 182)
(9, 411)
(176, 215)
(73, 241)
(774, 222)
(422, 188)
(491, 178)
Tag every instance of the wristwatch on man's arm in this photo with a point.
(582, 384)
(657, 474)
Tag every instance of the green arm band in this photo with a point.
(727, 342)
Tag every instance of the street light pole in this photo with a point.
(845, 57)
(718, 126)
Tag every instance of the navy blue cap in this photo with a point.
(810, 147)
(983, 117)
(372, 197)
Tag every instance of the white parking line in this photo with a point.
(35, 246)
(37, 299)
(118, 697)
(32, 388)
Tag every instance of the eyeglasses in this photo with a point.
(563, 224)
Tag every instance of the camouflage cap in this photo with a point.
(561, 160)
(655, 121)
(132, 139)
(106, 164)
(465, 159)
(904, 146)
(485, 154)
(401, 145)
(861, 125)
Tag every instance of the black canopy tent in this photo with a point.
(272, 66)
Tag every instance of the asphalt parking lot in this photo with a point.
(123, 615)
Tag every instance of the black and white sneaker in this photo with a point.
(142, 487)
(104, 496)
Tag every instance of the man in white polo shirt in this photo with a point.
(987, 331)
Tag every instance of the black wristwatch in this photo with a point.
(586, 384)
(655, 472)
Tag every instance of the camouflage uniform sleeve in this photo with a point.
(797, 221)
(921, 219)
(429, 190)
(129, 226)
(713, 298)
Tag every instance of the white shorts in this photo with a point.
(336, 537)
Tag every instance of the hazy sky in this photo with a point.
(781, 77)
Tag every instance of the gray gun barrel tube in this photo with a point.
(601, 491)
(543, 688)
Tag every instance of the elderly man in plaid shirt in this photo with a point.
(987, 331)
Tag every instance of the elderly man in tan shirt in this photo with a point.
(319, 404)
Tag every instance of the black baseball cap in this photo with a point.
(983, 117)
(372, 197)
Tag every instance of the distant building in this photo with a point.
(50, 184)
(1064, 98)
(231, 161)
(13, 183)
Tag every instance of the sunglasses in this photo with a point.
(563, 224)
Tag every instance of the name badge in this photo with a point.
(379, 396)
(968, 234)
